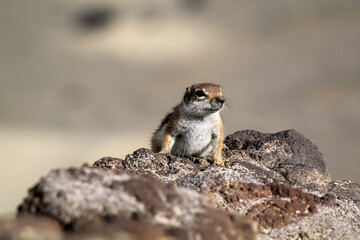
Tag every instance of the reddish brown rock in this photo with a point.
(281, 204)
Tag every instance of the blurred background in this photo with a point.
(80, 80)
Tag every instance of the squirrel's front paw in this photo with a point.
(219, 162)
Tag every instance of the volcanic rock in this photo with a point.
(273, 186)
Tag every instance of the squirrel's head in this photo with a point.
(203, 99)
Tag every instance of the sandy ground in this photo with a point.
(82, 80)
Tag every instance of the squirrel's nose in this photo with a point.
(220, 99)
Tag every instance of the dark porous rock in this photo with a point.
(115, 164)
(345, 190)
(288, 153)
(279, 182)
(146, 163)
(193, 173)
(165, 167)
(85, 199)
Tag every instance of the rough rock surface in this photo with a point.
(288, 153)
(280, 181)
(86, 198)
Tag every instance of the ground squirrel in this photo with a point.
(194, 127)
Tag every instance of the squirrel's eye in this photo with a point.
(200, 93)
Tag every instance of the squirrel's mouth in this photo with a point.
(214, 109)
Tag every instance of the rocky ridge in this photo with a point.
(274, 186)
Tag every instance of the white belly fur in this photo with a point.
(196, 137)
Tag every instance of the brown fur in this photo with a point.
(170, 119)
